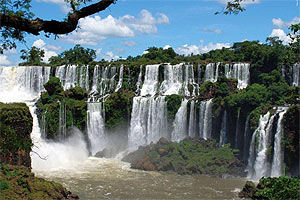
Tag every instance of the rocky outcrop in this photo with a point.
(15, 129)
(187, 157)
(19, 183)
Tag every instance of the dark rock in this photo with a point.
(163, 141)
(248, 190)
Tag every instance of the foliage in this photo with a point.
(173, 104)
(53, 86)
(75, 55)
(33, 57)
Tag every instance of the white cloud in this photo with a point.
(243, 3)
(194, 49)
(281, 35)
(167, 47)
(4, 60)
(110, 56)
(42, 45)
(129, 43)
(94, 29)
(218, 31)
(279, 23)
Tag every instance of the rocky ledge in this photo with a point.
(192, 155)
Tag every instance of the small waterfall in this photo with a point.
(139, 82)
(199, 74)
(151, 81)
(148, 121)
(22, 83)
(62, 126)
(172, 83)
(120, 82)
(84, 77)
(295, 70)
(190, 86)
(246, 136)
(278, 151)
(180, 123)
(211, 72)
(192, 120)
(95, 127)
(223, 129)
(239, 71)
(205, 119)
(237, 128)
(260, 149)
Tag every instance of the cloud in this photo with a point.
(129, 43)
(194, 49)
(119, 50)
(281, 35)
(167, 47)
(42, 45)
(94, 29)
(244, 3)
(61, 3)
(279, 23)
(110, 56)
(218, 31)
(4, 60)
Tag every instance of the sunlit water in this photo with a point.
(99, 178)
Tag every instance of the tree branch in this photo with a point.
(56, 27)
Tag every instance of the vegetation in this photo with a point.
(33, 57)
(54, 101)
(19, 183)
(272, 188)
(187, 157)
(173, 104)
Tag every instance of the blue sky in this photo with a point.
(129, 27)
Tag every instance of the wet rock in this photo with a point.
(163, 141)
(248, 190)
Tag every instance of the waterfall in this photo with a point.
(237, 128)
(223, 129)
(62, 125)
(192, 120)
(95, 127)
(190, 86)
(239, 71)
(119, 85)
(148, 121)
(84, 77)
(261, 147)
(180, 123)
(295, 70)
(211, 72)
(172, 83)
(151, 81)
(139, 82)
(205, 119)
(22, 83)
(278, 151)
(246, 135)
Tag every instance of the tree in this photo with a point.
(16, 19)
(32, 57)
(76, 55)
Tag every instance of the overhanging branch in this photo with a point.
(56, 27)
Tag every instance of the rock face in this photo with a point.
(20, 183)
(272, 188)
(15, 129)
(187, 157)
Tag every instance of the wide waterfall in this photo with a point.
(259, 163)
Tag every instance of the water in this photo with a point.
(97, 178)
(192, 120)
(205, 119)
(239, 71)
(295, 74)
(151, 81)
(223, 129)
(180, 123)
(211, 72)
(119, 85)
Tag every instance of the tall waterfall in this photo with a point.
(205, 119)
(148, 121)
(119, 85)
(239, 71)
(261, 147)
(212, 72)
(180, 123)
(62, 126)
(192, 120)
(95, 127)
(22, 83)
(223, 129)
(295, 70)
(151, 81)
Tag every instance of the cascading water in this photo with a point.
(239, 71)
(192, 120)
(223, 129)
(205, 119)
(260, 149)
(95, 127)
(172, 83)
(295, 70)
(119, 85)
(151, 81)
(237, 129)
(62, 126)
(278, 152)
(180, 123)
(148, 121)
(211, 72)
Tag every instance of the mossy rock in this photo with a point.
(173, 104)
(53, 86)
